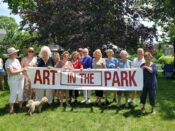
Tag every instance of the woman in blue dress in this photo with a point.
(111, 63)
(150, 82)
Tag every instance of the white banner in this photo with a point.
(87, 79)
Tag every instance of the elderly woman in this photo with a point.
(45, 60)
(98, 63)
(111, 63)
(76, 62)
(15, 78)
(87, 64)
(28, 61)
(136, 63)
(150, 81)
(65, 64)
(123, 63)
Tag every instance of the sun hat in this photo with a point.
(11, 51)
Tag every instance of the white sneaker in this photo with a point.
(88, 101)
(83, 101)
(126, 105)
(131, 101)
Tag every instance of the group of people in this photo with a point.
(20, 84)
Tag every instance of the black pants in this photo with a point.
(73, 93)
(99, 93)
(151, 91)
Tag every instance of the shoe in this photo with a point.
(143, 110)
(69, 101)
(75, 102)
(126, 105)
(83, 101)
(130, 101)
(88, 101)
(153, 111)
(106, 102)
(114, 100)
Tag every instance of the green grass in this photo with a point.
(97, 118)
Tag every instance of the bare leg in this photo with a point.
(20, 106)
(11, 106)
(133, 95)
(61, 97)
(67, 97)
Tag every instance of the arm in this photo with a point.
(152, 69)
(12, 72)
(23, 63)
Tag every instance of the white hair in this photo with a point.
(124, 52)
(45, 48)
(86, 50)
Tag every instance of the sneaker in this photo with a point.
(143, 110)
(83, 101)
(126, 105)
(106, 102)
(114, 100)
(130, 101)
(75, 102)
(153, 111)
(88, 101)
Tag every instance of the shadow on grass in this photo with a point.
(166, 98)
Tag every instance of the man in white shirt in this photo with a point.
(137, 62)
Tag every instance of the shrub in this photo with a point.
(166, 59)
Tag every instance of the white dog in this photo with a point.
(36, 104)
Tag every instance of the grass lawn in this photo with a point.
(102, 118)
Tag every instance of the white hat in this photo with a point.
(11, 51)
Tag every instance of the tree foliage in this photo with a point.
(74, 23)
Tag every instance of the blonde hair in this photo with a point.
(75, 53)
(29, 49)
(97, 51)
(56, 54)
(43, 49)
(141, 49)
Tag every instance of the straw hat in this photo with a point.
(11, 51)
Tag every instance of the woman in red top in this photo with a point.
(76, 62)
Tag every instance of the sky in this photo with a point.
(5, 11)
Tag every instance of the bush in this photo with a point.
(166, 59)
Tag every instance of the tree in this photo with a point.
(74, 23)
(14, 36)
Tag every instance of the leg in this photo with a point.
(76, 94)
(13, 93)
(126, 93)
(21, 93)
(119, 93)
(152, 98)
(67, 96)
(143, 96)
(115, 94)
(49, 96)
(39, 94)
(61, 97)
(11, 105)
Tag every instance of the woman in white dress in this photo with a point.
(15, 78)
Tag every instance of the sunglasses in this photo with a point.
(30, 51)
